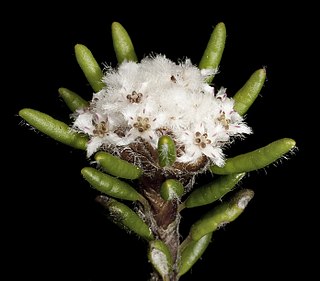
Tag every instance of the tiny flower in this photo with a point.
(143, 101)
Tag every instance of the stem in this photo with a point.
(164, 219)
(161, 214)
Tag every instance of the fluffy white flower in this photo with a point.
(143, 100)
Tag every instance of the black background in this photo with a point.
(53, 227)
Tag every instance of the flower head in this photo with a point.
(143, 101)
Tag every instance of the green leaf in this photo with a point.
(54, 128)
(166, 151)
(256, 159)
(110, 185)
(192, 252)
(89, 66)
(245, 97)
(171, 189)
(222, 214)
(125, 217)
(213, 191)
(160, 257)
(122, 43)
(213, 53)
(72, 100)
(117, 167)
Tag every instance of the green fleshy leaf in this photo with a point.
(72, 100)
(89, 66)
(213, 53)
(54, 128)
(256, 159)
(245, 97)
(122, 44)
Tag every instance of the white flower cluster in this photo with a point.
(157, 96)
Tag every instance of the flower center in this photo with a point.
(224, 121)
(201, 139)
(142, 124)
(100, 129)
(134, 97)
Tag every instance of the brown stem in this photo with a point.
(163, 219)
